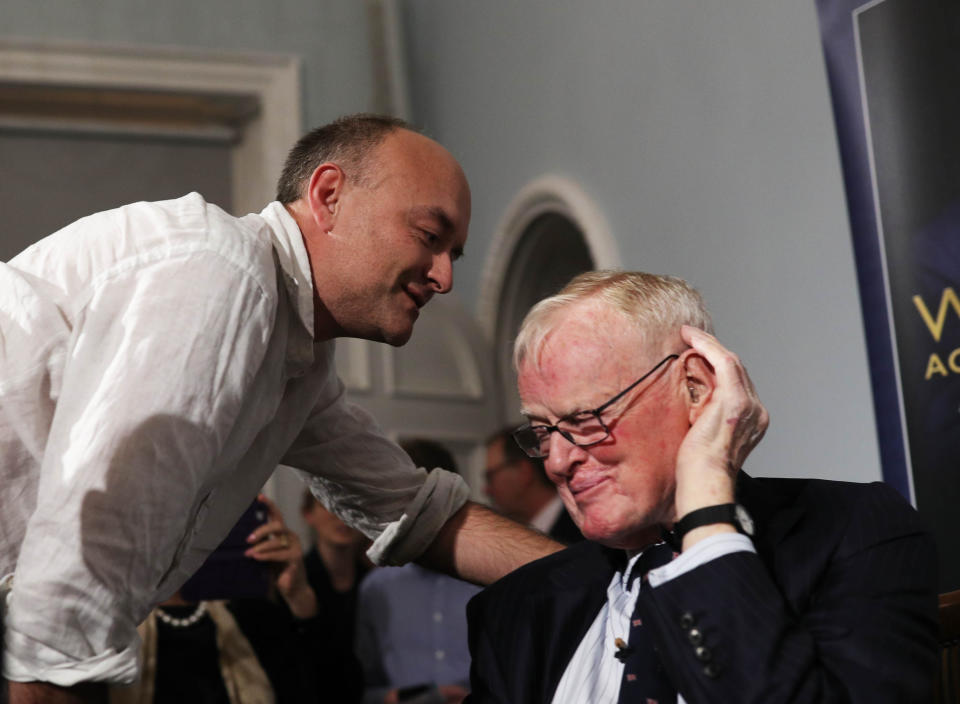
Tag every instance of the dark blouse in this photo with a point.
(343, 676)
(188, 665)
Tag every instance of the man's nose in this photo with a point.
(562, 454)
(441, 273)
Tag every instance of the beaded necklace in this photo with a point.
(185, 622)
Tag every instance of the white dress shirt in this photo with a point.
(593, 675)
(548, 515)
(157, 362)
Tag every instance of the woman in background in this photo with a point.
(244, 650)
(334, 567)
(412, 624)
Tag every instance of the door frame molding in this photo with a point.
(273, 80)
(549, 193)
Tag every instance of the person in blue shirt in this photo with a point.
(411, 635)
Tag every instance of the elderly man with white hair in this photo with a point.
(697, 583)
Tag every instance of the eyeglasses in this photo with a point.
(583, 428)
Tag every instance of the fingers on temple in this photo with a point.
(729, 368)
(725, 363)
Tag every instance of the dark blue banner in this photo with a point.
(894, 72)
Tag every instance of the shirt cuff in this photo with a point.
(442, 495)
(26, 660)
(701, 553)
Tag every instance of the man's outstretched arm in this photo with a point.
(481, 546)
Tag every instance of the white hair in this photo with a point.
(655, 305)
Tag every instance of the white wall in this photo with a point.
(703, 131)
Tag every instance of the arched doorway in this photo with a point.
(551, 233)
(551, 251)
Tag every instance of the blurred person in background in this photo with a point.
(412, 624)
(519, 488)
(335, 565)
(242, 650)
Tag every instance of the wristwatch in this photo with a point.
(734, 514)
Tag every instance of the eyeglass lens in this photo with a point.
(583, 429)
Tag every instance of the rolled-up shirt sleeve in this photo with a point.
(154, 376)
(367, 480)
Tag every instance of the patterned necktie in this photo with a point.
(644, 680)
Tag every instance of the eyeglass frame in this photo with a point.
(595, 412)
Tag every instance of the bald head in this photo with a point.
(382, 231)
(347, 141)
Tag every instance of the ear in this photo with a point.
(700, 380)
(324, 191)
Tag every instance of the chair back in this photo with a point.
(948, 682)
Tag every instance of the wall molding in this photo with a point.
(272, 80)
(551, 193)
(441, 334)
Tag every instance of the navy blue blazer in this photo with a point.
(564, 530)
(838, 605)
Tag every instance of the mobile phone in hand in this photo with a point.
(227, 572)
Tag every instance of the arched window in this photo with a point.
(550, 252)
(551, 233)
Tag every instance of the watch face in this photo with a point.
(744, 519)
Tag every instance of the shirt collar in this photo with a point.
(292, 255)
(625, 575)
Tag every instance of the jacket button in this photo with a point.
(711, 670)
(703, 653)
(695, 636)
(687, 620)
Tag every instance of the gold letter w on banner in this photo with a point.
(949, 297)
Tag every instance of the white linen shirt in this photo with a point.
(157, 362)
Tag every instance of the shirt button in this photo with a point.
(437, 616)
(440, 655)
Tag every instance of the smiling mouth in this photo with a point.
(584, 486)
(419, 299)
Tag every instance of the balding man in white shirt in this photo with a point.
(158, 361)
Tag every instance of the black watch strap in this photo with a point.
(733, 514)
